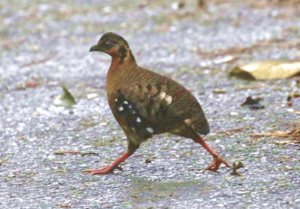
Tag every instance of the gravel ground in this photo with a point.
(44, 44)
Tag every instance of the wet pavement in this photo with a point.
(45, 44)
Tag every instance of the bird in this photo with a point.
(145, 103)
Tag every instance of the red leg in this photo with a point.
(109, 169)
(217, 159)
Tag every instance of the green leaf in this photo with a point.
(65, 100)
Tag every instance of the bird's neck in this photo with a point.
(120, 68)
(123, 56)
(122, 60)
(119, 64)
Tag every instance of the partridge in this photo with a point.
(145, 103)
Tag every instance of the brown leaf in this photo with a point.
(290, 98)
(283, 142)
(63, 206)
(250, 101)
(62, 152)
(256, 86)
(61, 171)
(253, 103)
(89, 153)
(235, 167)
(272, 134)
(35, 62)
(230, 132)
(9, 44)
(280, 134)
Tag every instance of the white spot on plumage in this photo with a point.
(150, 130)
(189, 122)
(129, 106)
(162, 95)
(121, 108)
(138, 120)
(125, 102)
(116, 100)
(168, 99)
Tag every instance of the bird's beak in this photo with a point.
(95, 48)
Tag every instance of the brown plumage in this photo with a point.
(145, 103)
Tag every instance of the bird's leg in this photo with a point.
(109, 169)
(115, 165)
(217, 159)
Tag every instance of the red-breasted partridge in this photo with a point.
(145, 103)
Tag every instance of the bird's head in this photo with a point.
(114, 45)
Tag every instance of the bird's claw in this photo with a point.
(215, 165)
(106, 170)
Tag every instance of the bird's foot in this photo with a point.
(215, 165)
(106, 170)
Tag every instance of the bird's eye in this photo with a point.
(108, 43)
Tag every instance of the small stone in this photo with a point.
(150, 130)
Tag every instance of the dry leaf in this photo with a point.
(61, 171)
(283, 142)
(290, 98)
(225, 59)
(88, 153)
(63, 206)
(286, 157)
(36, 62)
(219, 91)
(235, 167)
(9, 44)
(30, 83)
(201, 3)
(274, 134)
(266, 70)
(256, 86)
(281, 134)
(62, 152)
(92, 96)
(253, 104)
(230, 132)
(89, 184)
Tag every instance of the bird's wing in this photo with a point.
(143, 107)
